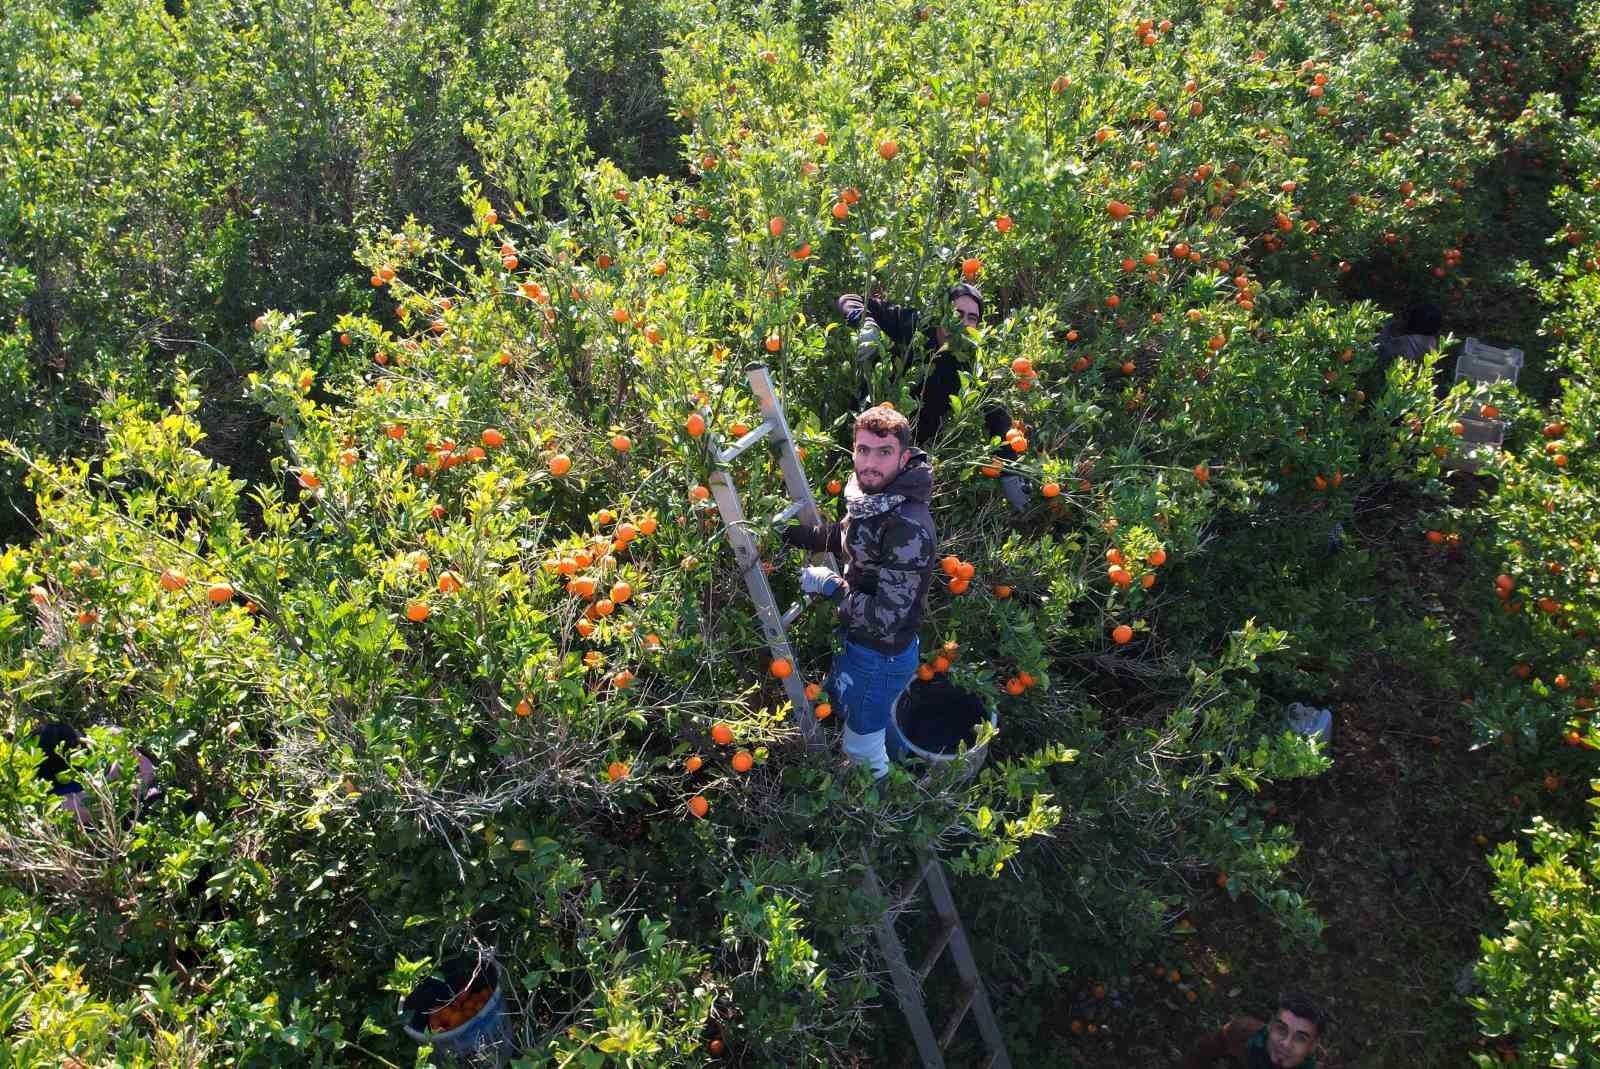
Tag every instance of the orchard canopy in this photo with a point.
(362, 369)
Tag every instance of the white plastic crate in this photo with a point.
(1485, 363)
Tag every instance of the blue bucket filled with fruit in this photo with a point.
(461, 1009)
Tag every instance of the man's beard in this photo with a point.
(874, 482)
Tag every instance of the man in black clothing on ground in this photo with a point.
(925, 348)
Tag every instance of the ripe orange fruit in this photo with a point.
(699, 806)
(775, 226)
(1157, 558)
(693, 764)
(220, 592)
(1003, 223)
(959, 585)
(971, 267)
(417, 611)
(559, 464)
(647, 525)
(924, 672)
(941, 663)
(835, 486)
(1014, 687)
(524, 707)
(742, 761)
(616, 770)
(172, 579)
(449, 582)
(774, 343)
(493, 438)
(1050, 489)
(699, 493)
(951, 565)
(695, 425)
(781, 668)
(1202, 472)
(1002, 591)
(888, 149)
(1435, 537)
(721, 734)
(824, 710)
(966, 570)
(1122, 634)
(621, 592)
(621, 443)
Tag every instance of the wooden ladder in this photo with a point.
(775, 625)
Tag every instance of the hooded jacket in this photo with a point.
(887, 542)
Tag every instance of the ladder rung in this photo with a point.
(789, 513)
(940, 941)
(913, 885)
(792, 613)
(737, 449)
(968, 993)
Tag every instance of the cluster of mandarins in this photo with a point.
(458, 1011)
(940, 662)
(959, 572)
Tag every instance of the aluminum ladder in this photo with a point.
(950, 934)
(908, 983)
(747, 553)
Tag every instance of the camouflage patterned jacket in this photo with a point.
(887, 541)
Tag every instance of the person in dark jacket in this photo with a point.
(886, 541)
(58, 740)
(1287, 1041)
(924, 344)
(1414, 337)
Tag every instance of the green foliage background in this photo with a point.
(197, 377)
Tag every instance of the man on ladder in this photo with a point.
(887, 542)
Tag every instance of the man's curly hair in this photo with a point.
(884, 420)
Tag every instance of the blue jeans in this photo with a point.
(865, 683)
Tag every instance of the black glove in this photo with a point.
(796, 535)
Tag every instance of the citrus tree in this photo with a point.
(467, 667)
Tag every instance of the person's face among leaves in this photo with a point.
(964, 313)
(1290, 1039)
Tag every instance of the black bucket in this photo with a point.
(936, 718)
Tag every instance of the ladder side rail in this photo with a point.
(908, 990)
(794, 476)
(748, 557)
(967, 966)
